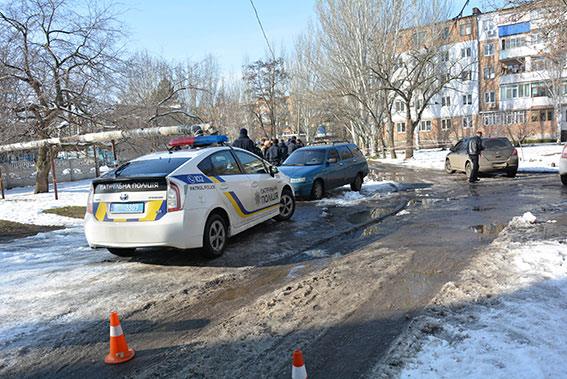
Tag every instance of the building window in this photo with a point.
(418, 38)
(539, 89)
(515, 66)
(466, 52)
(466, 75)
(465, 29)
(489, 72)
(445, 34)
(490, 97)
(425, 126)
(488, 49)
(514, 91)
(418, 104)
(511, 43)
(400, 106)
(401, 127)
(546, 116)
(538, 64)
(445, 56)
(467, 99)
(467, 122)
(446, 124)
(488, 28)
(446, 101)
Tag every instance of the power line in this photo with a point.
(262, 28)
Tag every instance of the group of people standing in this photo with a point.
(273, 150)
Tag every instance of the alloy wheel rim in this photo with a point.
(286, 205)
(217, 235)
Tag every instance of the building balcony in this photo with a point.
(517, 52)
(522, 77)
(525, 103)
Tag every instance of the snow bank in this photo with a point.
(21, 205)
(370, 189)
(505, 318)
(535, 158)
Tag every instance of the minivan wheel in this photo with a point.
(356, 185)
(448, 168)
(468, 169)
(511, 173)
(287, 205)
(122, 252)
(564, 179)
(318, 190)
(215, 236)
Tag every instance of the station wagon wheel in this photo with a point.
(356, 185)
(318, 190)
(215, 236)
(448, 168)
(287, 205)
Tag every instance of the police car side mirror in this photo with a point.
(274, 170)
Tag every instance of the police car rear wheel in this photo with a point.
(287, 206)
(214, 240)
(122, 252)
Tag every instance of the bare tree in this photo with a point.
(60, 59)
(266, 86)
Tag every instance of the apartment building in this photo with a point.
(504, 90)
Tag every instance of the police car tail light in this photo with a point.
(173, 197)
(90, 201)
(564, 154)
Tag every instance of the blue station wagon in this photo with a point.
(315, 169)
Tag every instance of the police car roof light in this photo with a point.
(197, 141)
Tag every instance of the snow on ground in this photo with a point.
(533, 158)
(344, 197)
(505, 317)
(21, 205)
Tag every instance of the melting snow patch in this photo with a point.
(402, 213)
(369, 189)
(525, 220)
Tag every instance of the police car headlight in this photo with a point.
(297, 180)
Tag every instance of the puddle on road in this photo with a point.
(488, 229)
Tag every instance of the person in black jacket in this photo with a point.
(474, 149)
(283, 151)
(273, 153)
(244, 142)
(292, 145)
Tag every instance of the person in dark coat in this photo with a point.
(244, 142)
(273, 153)
(291, 145)
(283, 151)
(474, 149)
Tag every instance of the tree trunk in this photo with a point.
(409, 137)
(558, 117)
(390, 131)
(42, 170)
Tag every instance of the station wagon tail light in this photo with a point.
(564, 154)
(514, 152)
(173, 197)
(90, 201)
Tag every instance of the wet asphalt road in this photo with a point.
(445, 223)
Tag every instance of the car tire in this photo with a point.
(356, 185)
(448, 168)
(564, 179)
(215, 236)
(468, 169)
(287, 205)
(318, 190)
(511, 173)
(122, 252)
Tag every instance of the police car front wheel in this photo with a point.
(215, 237)
(287, 205)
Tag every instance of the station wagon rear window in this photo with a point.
(496, 143)
(149, 167)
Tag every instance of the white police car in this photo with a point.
(193, 198)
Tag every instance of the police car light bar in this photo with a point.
(197, 141)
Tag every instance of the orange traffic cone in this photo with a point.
(298, 366)
(119, 350)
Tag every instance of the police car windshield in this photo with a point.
(306, 157)
(149, 167)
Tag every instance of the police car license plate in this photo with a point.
(127, 208)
